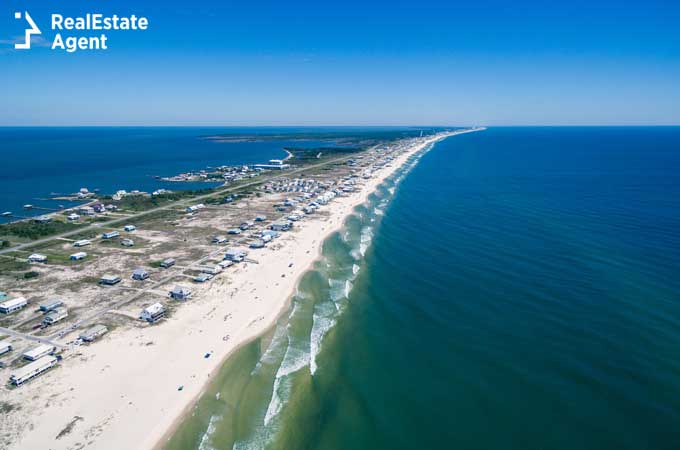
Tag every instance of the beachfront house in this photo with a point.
(82, 243)
(234, 231)
(37, 258)
(212, 270)
(109, 280)
(13, 305)
(219, 240)
(224, 264)
(281, 226)
(55, 316)
(260, 218)
(167, 263)
(203, 277)
(127, 243)
(129, 228)
(258, 243)
(153, 313)
(5, 347)
(43, 219)
(23, 374)
(78, 256)
(182, 293)
(51, 305)
(93, 333)
(110, 235)
(73, 216)
(38, 352)
(271, 233)
(235, 255)
(140, 274)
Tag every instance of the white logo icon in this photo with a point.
(29, 31)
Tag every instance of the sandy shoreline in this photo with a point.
(123, 392)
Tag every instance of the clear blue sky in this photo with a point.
(218, 62)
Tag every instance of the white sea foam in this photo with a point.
(294, 360)
(323, 321)
(272, 353)
(205, 439)
(355, 269)
(365, 241)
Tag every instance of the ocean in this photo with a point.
(513, 288)
(38, 162)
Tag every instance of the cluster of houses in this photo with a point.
(300, 185)
(311, 195)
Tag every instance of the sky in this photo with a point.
(221, 62)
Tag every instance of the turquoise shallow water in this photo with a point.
(518, 288)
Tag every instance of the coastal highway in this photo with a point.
(184, 202)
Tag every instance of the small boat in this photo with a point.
(7, 214)
(28, 206)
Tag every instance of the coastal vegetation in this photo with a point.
(34, 230)
(302, 154)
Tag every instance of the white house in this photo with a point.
(5, 347)
(153, 313)
(82, 243)
(129, 228)
(78, 256)
(38, 352)
(37, 258)
(32, 370)
(12, 305)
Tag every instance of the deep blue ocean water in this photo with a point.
(521, 290)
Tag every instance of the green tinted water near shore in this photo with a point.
(271, 385)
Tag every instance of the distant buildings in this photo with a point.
(127, 243)
(129, 228)
(182, 293)
(37, 258)
(82, 243)
(55, 316)
(110, 235)
(38, 352)
(167, 263)
(235, 255)
(78, 256)
(51, 305)
(13, 305)
(5, 347)
(281, 226)
(140, 274)
(110, 280)
(93, 333)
